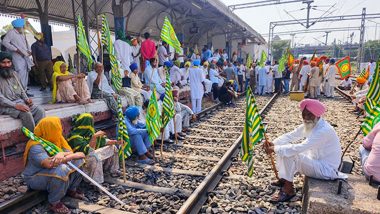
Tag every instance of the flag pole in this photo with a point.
(271, 157)
(123, 161)
(162, 142)
(175, 130)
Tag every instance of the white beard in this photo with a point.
(134, 122)
(308, 126)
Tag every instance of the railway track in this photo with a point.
(179, 182)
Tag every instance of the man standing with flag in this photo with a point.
(318, 156)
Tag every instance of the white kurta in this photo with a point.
(269, 84)
(14, 41)
(103, 86)
(123, 53)
(175, 75)
(196, 78)
(318, 156)
(330, 81)
(152, 78)
(262, 73)
(305, 70)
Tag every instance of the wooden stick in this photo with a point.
(175, 130)
(271, 157)
(162, 143)
(123, 162)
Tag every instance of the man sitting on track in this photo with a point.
(318, 156)
(138, 135)
(370, 153)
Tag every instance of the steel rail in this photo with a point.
(199, 196)
(32, 198)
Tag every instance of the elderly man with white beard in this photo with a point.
(317, 156)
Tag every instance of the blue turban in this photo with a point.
(168, 64)
(18, 23)
(268, 62)
(132, 112)
(133, 66)
(196, 62)
(332, 61)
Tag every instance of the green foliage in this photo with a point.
(371, 50)
(279, 47)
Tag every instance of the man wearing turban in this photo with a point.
(197, 86)
(330, 79)
(138, 135)
(317, 156)
(13, 99)
(16, 44)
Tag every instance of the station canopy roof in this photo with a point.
(210, 17)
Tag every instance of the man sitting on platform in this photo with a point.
(370, 153)
(100, 88)
(318, 156)
(138, 135)
(13, 99)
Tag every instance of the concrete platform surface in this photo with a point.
(357, 197)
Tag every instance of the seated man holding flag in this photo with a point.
(138, 135)
(101, 153)
(318, 156)
(46, 168)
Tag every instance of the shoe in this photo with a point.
(182, 134)
(180, 138)
(42, 89)
(169, 141)
(278, 183)
(29, 95)
(146, 161)
(281, 197)
(76, 194)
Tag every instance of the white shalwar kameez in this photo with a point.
(184, 76)
(305, 71)
(330, 81)
(170, 126)
(14, 41)
(196, 78)
(262, 80)
(269, 84)
(318, 156)
(207, 82)
(124, 54)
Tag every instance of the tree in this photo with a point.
(278, 48)
(371, 50)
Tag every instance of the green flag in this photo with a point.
(107, 41)
(153, 118)
(344, 67)
(49, 147)
(369, 121)
(373, 94)
(82, 43)
(122, 132)
(253, 130)
(168, 103)
(282, 62)
(249, 61)
(363, 73)
(263, 58)
(168, 35)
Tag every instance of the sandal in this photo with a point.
(76, 194)
(281, 197)
(278, 183)
(146, 161)
(59, 208)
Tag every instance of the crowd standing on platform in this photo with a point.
(210, 74)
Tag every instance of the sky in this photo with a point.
(260, 17)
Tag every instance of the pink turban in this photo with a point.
(314, 106)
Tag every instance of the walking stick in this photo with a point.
(123, 162)
(348, 146)
(271, 157)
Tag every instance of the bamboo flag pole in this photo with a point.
(271, 157)
(123, 161)
(162, 142)
(175, 130)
